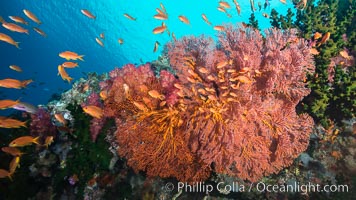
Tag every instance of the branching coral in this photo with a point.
(231, 109)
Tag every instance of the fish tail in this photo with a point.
(2, 20)
(17, 45)
(81, 57)
(36, 140)
(69, 79)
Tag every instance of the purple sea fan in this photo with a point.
(41, 124)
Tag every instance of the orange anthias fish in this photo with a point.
(12, 151)
(317, 35)
(64, 74)
(59, 117)
(87, 13)
(102, 35)
(160, 16)
(344, 54)
(160, 29)
(48, 141)
(155, 94)
(99, 42)
(24, 141)
(156, 46)
(238, 8)
(70, 64)
(7, 103)
(93, 111)
(39, 31)
(13, 83)
(11, 123)
(8, 39)
(219, 28)
(4, 174)
(184, 19)
(16, 68)
(129, 17)
(68, 55)
(205, 19)
(15, 162)
(120, 41)
(224, 4)
(13, 27)
(325, 38)
(32, 16)
(18, 19)
(103, 94)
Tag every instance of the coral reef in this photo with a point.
(231, 109)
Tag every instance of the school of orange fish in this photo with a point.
(93, 111)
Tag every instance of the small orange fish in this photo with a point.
(238, 8)
(156, 46)
(7, 103)
(68, 55)
(103, 94)
(18, 19)
(120, 41)
(32, 16)
(16, 68)
(219, 28)
(221, 9)
(317, 35)
(12, 151)
(174, 37)
(283, 1)
(313, 51)
(24, 141)
(93, 111)
(325, 38)
(4, 174)
(102, 36)
(48, 141)
(140, 106)
(11, 123)
(15, 162)
(265, 15)
(224, 4)
(162, 6)
(155, 94)
(205, 19)
(13, 83)
(39, 31)
(223, 64)
(160, 16)
(99, 42)
(70, 64)
(59, 117)
(160, 29)
(344, 54)
(8, 39)
(184, 19)
(88, 13)
(129, 17)
(64, 74)
(13, 27)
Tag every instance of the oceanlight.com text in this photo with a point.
(223, 187)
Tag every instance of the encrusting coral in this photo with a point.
(230, 108)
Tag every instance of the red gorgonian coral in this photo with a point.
(231, 109)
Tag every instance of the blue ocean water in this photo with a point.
(68, 29)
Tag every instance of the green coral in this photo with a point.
(327, 100)
(86, 157)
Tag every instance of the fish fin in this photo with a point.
(81, 57)
(69, 79)
(17, 45)
(36, 140)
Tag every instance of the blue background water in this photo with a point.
(68, 29)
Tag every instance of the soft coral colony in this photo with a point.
(229, 108)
